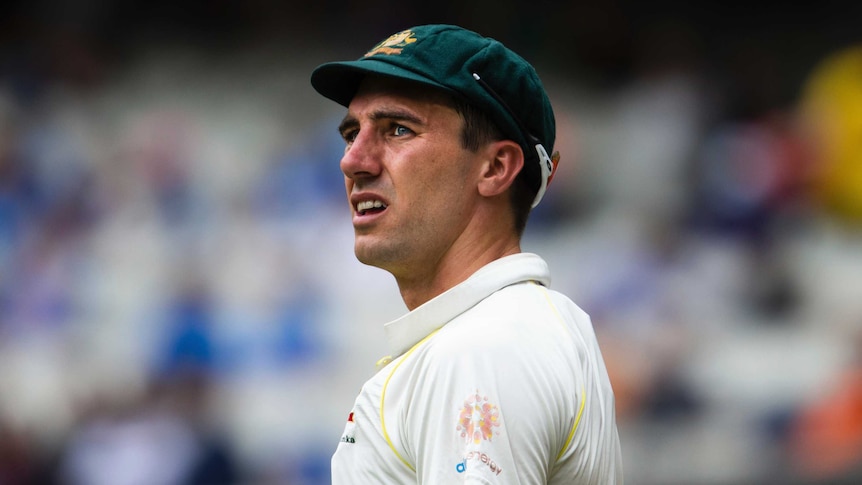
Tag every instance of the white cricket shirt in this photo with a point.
(499, 380)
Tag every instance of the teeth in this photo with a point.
(369, 204)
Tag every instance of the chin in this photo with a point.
(373, 254)
(366, 254)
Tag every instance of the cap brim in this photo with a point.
(339, 81)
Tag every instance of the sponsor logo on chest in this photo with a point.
(478, 422)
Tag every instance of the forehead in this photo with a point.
(394, 90)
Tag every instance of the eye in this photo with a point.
(401, 130)
(349, 135)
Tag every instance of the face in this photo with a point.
(407, 175)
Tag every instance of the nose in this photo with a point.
(362, 157)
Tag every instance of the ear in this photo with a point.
(504, 160)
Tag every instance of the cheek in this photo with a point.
(456, 172)
(441, 175)
(447, 187)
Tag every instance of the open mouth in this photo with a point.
(370, 207)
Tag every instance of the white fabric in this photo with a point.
(492, 396)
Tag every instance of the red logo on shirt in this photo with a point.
(349, 435)
(478, 419)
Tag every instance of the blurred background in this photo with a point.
(180, 304)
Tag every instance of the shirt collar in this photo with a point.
(403, 332)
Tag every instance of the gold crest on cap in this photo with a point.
(394, 44)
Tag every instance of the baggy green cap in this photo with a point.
(480, 69)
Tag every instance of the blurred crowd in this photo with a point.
(179, 302)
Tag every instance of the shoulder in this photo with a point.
(518, 330)
(518, 315)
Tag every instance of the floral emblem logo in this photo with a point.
(394, 44)
(478, 419)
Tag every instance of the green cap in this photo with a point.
(482, 70)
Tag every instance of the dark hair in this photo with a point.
(478, 130)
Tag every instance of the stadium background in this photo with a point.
(178, 295)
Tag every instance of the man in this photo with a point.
(494, 377)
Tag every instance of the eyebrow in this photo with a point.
(395, 114)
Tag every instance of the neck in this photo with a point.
(455, 266)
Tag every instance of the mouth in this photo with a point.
(368, 207)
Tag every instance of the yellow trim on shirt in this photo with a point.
(383, 398)
(574, 426)
(583, 391)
